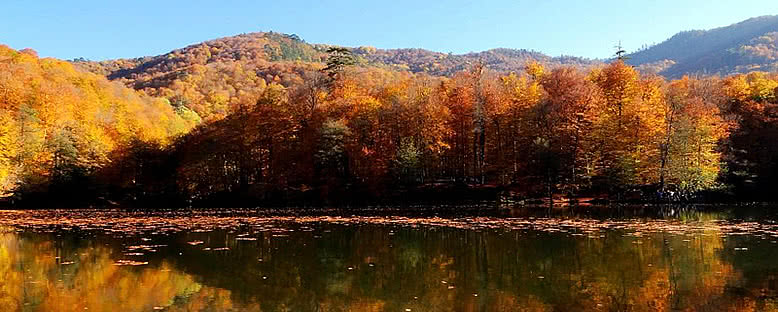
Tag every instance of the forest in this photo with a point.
(331, 130)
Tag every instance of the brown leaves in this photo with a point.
(136, 223)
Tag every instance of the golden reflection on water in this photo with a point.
(35, 275)
(379, 267)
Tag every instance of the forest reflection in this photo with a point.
(369, 267)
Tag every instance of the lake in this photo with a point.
(527, 259)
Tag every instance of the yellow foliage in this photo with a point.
(45, 98)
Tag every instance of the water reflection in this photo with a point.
(324, 266)
(50, 273)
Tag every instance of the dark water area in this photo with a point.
(521, 259)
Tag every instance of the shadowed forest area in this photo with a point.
(343, 133)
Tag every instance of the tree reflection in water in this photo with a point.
(326, 266)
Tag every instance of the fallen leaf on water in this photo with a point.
(130, 262)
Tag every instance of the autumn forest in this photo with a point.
(266, 119)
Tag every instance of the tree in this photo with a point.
(338, 59)
(331, 157)
(407, 162)
(522, 95)
(8, 153)
(628, 126)
(751, 105)
(564, 122)
(620, 52)
(691, 157)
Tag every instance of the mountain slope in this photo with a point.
(742, 47)
(442, 64)
(214, 77)
(277, 47)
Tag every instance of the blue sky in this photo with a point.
(102, 29)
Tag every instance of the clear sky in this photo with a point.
(102, 29)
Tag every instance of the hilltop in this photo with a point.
(739, 48)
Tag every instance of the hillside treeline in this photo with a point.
(355, 134)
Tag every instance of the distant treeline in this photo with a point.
(349, 134)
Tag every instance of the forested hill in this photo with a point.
(739, 48)
(297, 133)
(214, 77)
(441, 64)
(746, 46)
(275, 47)
(267, 118)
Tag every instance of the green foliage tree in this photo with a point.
(338, 59)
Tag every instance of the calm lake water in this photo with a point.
(595, 260)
